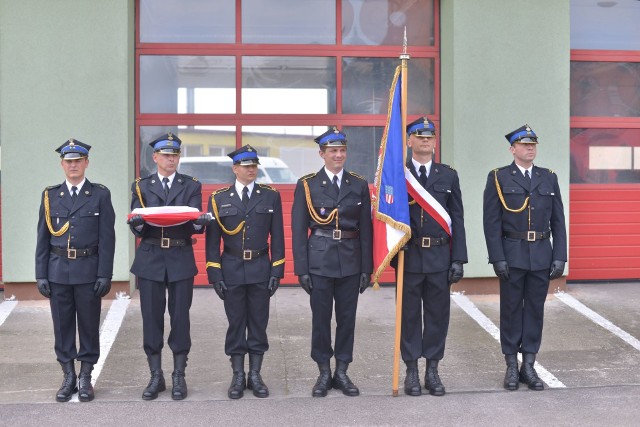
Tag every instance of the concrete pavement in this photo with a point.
(594, 370)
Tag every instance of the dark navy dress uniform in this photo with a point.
(91, 231)
(170, 268)
(245, 265)
(429, 254)
(332, 254)
(524, 226)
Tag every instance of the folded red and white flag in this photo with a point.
(166, 216)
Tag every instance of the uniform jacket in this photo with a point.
(544, 209)
(444, 186)
(91, 223)
(263, 220)
(152, 261)
(324, 256)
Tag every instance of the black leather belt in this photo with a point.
(336, 234)
(166, 242)
(247, 254)
(427, 242)
(530, 236)
(72, 253)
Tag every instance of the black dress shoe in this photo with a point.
(432, 379)
(155, 386)
(412, 385)
(69, 383)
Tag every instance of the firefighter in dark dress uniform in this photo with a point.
(246, 215)
(523, 212)
(164, 263)
(74, 265)
(335, 260)
(433, 261)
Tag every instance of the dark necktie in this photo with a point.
(165, 186)
(423, 176)
(335, 185)
(74, 194)
(245, 196)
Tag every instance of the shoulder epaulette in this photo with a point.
(311, 175)
(550, 171)
(194, 178)
(268, 187)
(221, 190)
(99, 185)
(141, 178)
(503, 167)
(358, 176)
(447, 166)
(51, 187)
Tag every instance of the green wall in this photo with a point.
(504, 63)
(66, 70)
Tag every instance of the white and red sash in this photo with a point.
(427, 202)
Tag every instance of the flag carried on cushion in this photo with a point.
(389, 200)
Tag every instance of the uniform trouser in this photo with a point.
(68, 302)
(247, 308)
(345, 293)
(425, 300)
(522, 300)
(153, 300)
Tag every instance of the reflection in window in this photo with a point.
(600, 156)
(187, 84)
(288, 85)
(289, 21)
(187, 21)
(382, 22)
(366, 83)
(610, 89)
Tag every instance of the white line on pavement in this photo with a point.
(108, 333)
(469, 307)
(6, 308)
(598, 319)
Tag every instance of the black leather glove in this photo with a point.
(365, 281)
(43, 287)
(502, 270)
(220, 288)
(102, 287)
(136, 221)
(305, 283)
(557, 268)
(274, 283)
(456, 272)
(203, 220)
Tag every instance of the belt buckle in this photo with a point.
(337, 234)
(165, 242)
(71, 253)
(531, 236)
(426, 242)
(247, 255)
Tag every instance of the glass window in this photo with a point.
(195, 141)
(286, 152)
(288, 85)
(289, 21)
(366, 83)
(601, 156)
(363, 144)
(609, 89)
(187, 84)
(600, 25)
(382, 22)
(187, 21)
